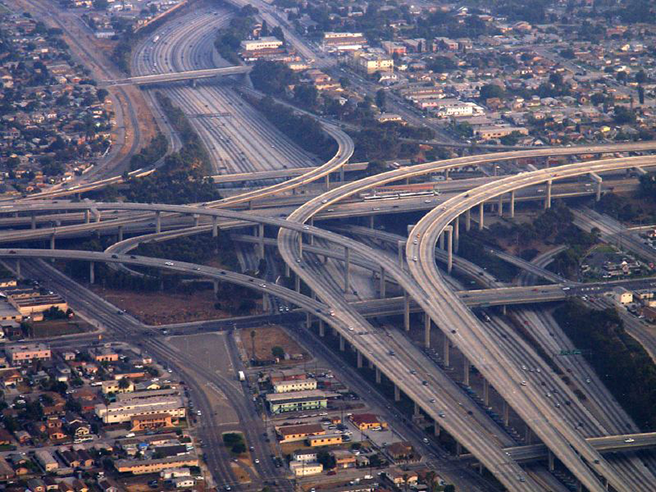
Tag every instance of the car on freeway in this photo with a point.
(629, 440)
(168, 263)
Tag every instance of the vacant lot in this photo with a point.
(56, 328)
(267, 337)
(160, 308)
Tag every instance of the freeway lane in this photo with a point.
(505, 376)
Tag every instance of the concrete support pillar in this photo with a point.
(347, 269)
(371, 221)
(527, 435)
(260, 236)
(449, 248)
(378, 376)
(456, 234)
(215, 286)
(466, 369)
(446, 174)
(342, 343)
(598, 182)
(308, 320)
(436, 429)
(547, 198)
(486, 393)
(33, 221)
(401, 247)
(406, 311)
(300, 246)
(446, 349)
(359, 360)
(500, 211)
(250, 204)
(458, 449)
(297, 282)
(87, 216)
(322, 328)
(397, 393)
(92, 272)
(52, 241)
(196, 219)
(551, 461)
(215, 226)
(468, 220)
(495, 170)
(382, 283)
(311, 239)
(120, 233)
(427, 331)
(442, 241)
(506, 413)
(370, 363)
(18, 271)
(512, 204)
(417, 410)
(327, 181)
(158, 222)
(481, 217)
(265, 302)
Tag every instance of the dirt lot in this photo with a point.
(56, 328)
(267, 337)
(159, 308)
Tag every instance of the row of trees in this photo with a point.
(620, 361)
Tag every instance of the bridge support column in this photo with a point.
(481, 216)
(327, 181)
(215, 226)
(196, 219)
(551, 461)
(322, 328)
(215, 286)
(342, 343)
(486, 393)
(406, 311)
(92, 273)
(547, 198)
(446, 351)
(449, 248)
(417, 410)
(458, 449)
(300, 247)
(33, 221)
(311, 235)
(397, 393)
(371, 221)
(297, 285)
(442, 241)
(465, 373)
(598, 182)
(359, 360)
(436, 429)
(382, 283)
(265, 302)
(308, 320)
(260, 235)
(120, 233)
(427, 330)
(347, 269)
(512, 204)
(87, 216)
(468, 220)
(527, 435)
(456, 234)
(378, 375)
(18, 272)
(52, 241)
(288, 271)
(500, 206)
(158, 222)
(506, 413)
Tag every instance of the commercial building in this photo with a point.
(295, 385)
(153, 421)
(125, 411)
(622, 295)
(367, 421)
(344, 41)
(287, 375)
(264, 43)
(291, 433)
(492, 132)
(25, 354)
(141, 467)
(299, 400)
(46, 460)
(304, 468)
(373, 62)
(30, 302)
(325, 440)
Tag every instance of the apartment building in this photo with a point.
(295, 385)
(124, 411)
(25, 354)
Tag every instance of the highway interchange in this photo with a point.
(245, 146)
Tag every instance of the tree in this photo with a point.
(381, 99)
(100, 4)
(491, 91)
(102, 94)
(641, 77)
(278, 352)
(326, 459)
(124, 383)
